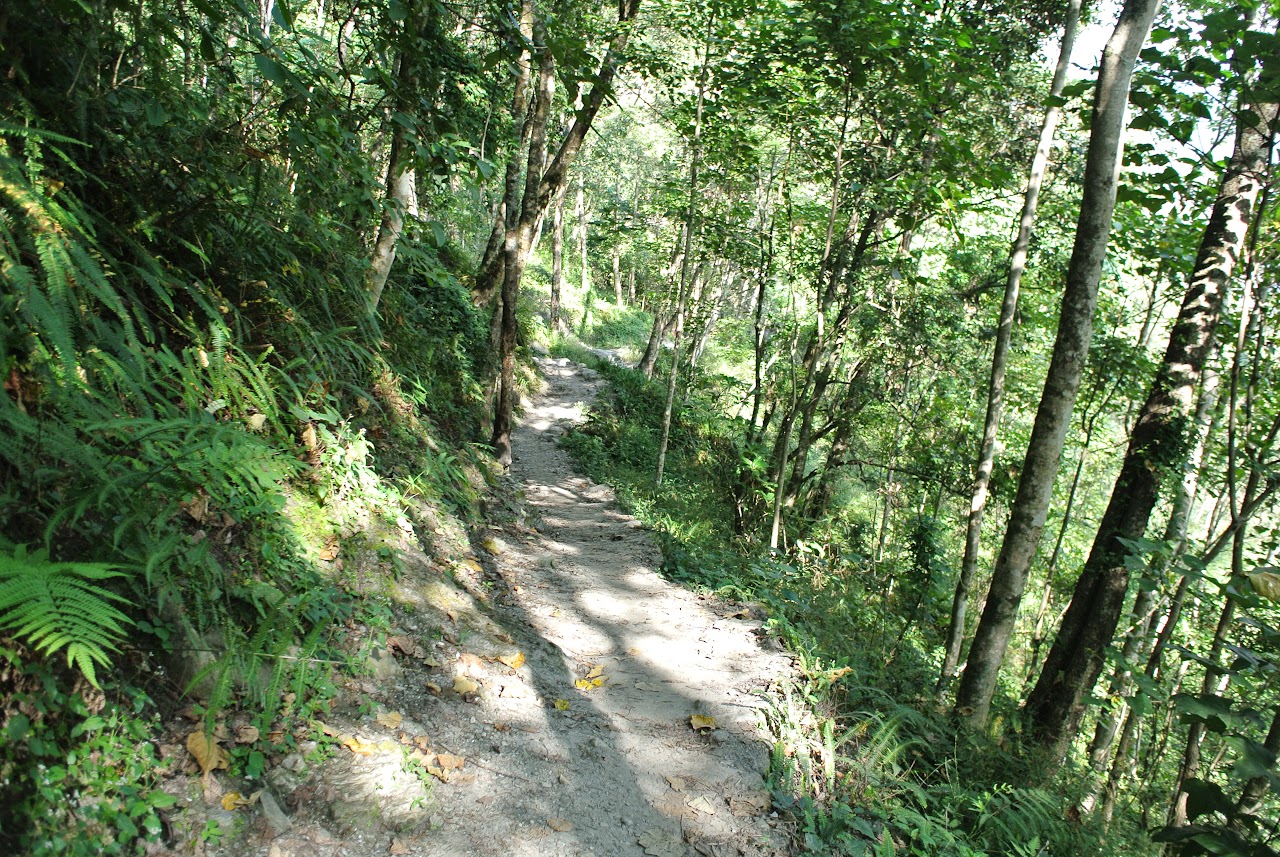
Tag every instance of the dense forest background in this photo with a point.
(955, 356)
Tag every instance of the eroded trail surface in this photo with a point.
(572, 698)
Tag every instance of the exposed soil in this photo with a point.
(561, 702)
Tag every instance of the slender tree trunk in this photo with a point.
(1071, 349)
(557, 261)
(1158, 445)
(662, 325)
(695, 153)
(1000, 360)
(402, 190)
(580, 227)
(543, 180)
(517, 245)
(1175, 535)
(1250, 802)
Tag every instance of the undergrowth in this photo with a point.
(862, 762)
(203, 477)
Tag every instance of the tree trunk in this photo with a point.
(580, 228)
(557, 261)
(1000, 359)
(1158, 445)
(517, 244)
(402, 191)
(1071, 349)
(543, 180)
(690, 213)
(662, 325)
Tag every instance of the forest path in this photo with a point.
(620, 770)
(557, 699)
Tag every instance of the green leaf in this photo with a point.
(156, 115)
(17, 728)
(271, 70)
(438, 233)
(161, 800)
(281, 15)
(1204, 798)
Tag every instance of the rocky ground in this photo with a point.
(558, 698)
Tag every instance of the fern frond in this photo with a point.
(58, 607)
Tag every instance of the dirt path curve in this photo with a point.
(622, 766)
(569, 695)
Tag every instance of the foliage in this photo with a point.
(53, 607)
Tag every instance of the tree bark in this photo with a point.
(683, 292)
(543, 180)
(1071, 349)
(1158, 446)
(557, 261)
(402, 189)
(517, 244)
(1000, 359)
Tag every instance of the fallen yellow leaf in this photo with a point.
(360, 746)
(208, 755)
(514, 661)
(588, 684)
(596, 671)
(433, 687)
(234, 800)
(390, 719)
(463, 685)
(247, 734)
(562, 705)
(439, 773)
(701, 722)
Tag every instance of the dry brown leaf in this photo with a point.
(422, 742)
(514, 661)
(702, 805)
(433, 687)
(471, 663)
(208, 755)
(674, 805)
(390, 719)
(398, 847)
(309, 438)
(560, 825)
(755, 803)
(330, 550)
(502, 727)
(463, 685)
(197, 507)
(437, 772)
(247, 734)
(450, 762)
(676, 783)
(331, 731)
(702, 723)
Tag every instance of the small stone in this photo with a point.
(275, 816)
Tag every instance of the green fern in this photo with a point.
(57, 606)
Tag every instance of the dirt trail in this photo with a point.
(552, 767)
